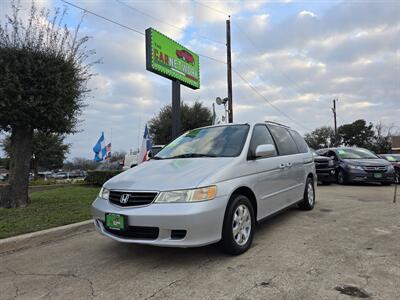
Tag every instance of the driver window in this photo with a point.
(260, 136)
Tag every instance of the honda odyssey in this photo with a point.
(211, 184)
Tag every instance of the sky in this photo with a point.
(290, 60)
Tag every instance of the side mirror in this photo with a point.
(265, 150)
(150, 154)
(332, 157)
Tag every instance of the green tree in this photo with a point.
(381, 142)
(357, 134)
(43, 76)
(48, 150)
(160, 127)
(322, 137)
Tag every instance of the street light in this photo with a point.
(224, 101)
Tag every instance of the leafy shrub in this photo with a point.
(99, 177)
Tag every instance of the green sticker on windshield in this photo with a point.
(193, 133)
(341, 151)
(390, 158)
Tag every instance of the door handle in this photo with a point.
(282, 166)
(289, 164)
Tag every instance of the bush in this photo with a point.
(99, 177)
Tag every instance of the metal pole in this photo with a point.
(334, 118)
(395, 190)
(229, 68)
(176, 108)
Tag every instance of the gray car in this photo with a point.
(212, 184)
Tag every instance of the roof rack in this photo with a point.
(276, 123)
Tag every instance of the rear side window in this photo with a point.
(300, 143)
(260, 136)
(284, 140)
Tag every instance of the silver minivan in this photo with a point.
(211, 184)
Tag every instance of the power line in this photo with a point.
(212, 8)
(274, 106)
(102, 17)
(132, 29)
(259, 50)
(167, 23)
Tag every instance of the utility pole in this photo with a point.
(334, 118)
(229, 69)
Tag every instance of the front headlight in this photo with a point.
(390, 168)
(193, 195)
(104, 193)
(355, 167)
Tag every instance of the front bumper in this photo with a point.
(326, 174)
(201, 222)
(362, 176)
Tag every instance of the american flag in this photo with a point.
(108, 151)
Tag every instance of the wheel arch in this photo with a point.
(248, 192)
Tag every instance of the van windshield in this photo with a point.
(356, 153)
(219, 141)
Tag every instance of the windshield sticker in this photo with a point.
(341, 151)
(390, 158)
(193, 133)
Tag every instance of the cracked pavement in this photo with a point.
(352, 237)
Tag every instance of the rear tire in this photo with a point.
(308, 201)
(239, 225)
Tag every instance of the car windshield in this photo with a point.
(219, 141)
(356, 153)
(392, 157)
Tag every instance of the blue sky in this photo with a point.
(299, 55)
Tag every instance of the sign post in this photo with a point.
(176, 108)
(170, 59)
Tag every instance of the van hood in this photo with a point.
(367, 162)
(168, 174)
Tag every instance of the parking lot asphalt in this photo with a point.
(352, 237)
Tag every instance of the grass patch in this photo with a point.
(50, 208)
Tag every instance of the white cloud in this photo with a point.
(306, 13)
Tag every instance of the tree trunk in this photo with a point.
(21, 151)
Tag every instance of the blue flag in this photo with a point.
(99, 149)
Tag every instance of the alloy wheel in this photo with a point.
(241, 225)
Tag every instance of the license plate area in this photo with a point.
(115, 221)
(377, 175)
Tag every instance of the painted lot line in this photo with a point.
(351, 237)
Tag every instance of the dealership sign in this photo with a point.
(170, 59)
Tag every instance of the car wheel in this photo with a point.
(239, 224)
(308, 201)
(341, 179)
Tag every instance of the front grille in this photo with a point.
(136, 232)
(322, 165)
(375, 169)
(134, 198)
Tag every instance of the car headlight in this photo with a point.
(390, 168)
(355, 167)
(331, 163)
(104, 193)
(193, 195)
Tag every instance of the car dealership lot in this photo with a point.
(351, 237)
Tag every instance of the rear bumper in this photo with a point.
(201, 222)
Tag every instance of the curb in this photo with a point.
(34, 239)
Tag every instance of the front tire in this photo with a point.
(341, 177)
(308, 201)
(239, 224)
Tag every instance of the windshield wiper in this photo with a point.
(190, 155)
